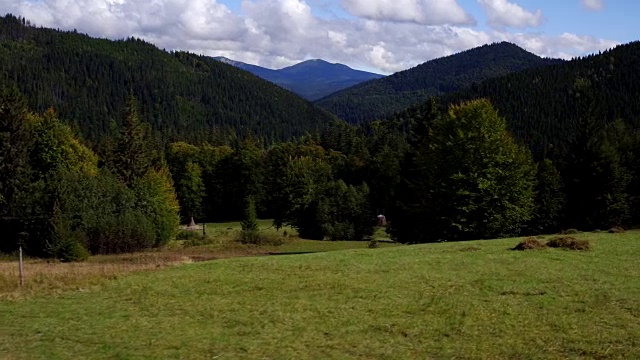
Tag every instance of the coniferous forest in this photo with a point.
(110, 145)
(181, 95)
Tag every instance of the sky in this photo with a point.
(382, 36)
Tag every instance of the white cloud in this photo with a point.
(502, 13)
(425, 12)
(593, 4)
(278, 33)
(565, 46)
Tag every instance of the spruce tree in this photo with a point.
(549, 199)
(133, 155)
(250, 221)
(15, 144)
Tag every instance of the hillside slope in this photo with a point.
(549, 106)
(380, 98)
(311, 79)
(467, 300)
(182, 95)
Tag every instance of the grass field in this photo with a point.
(448, 300)
(52, 278)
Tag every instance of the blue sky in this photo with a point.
(377, 35)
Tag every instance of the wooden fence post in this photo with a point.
(21, 272)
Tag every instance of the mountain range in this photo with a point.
(381, 98)
(184, 96)
(311, 79)
(181, 95)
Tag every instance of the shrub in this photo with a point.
(529, 243)
(66, 244)
(256, 237)
(193, 238)
(373, 244)
(71, 250)
(127, 232)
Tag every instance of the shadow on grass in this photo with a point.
(292, 253)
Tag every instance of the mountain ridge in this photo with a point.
(381, 98)
(311, 79)
(180, 94)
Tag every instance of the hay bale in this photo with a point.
(529, 243)
(616, 230)
(569, 243)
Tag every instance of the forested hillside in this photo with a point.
(182, 95)
(551, 105)
(380, 98)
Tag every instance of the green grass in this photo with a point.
(463, 300)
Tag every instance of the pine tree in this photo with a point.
(15, 144)
(133, 155)
(549, 199)
(250, 221)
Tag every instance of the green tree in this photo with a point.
(15, 144)
(250, 220)
(56, 147)
(344, 212)
(133, 155)
(470, 180)
(549, 199)
(156, 199)
(306, 178)
(191, 191)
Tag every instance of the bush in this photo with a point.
(570, 243)
(529, 243)
(66, 244)
(373, 244)
(256, 237)
(127, 232)
(71, 250)
(157, 200)
(194, 238)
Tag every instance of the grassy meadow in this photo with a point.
(449, 300)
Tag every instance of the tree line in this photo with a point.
(437, 175)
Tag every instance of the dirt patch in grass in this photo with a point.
(529, 243)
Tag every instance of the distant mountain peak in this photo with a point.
(312, 79)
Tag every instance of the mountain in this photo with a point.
(549, 106)
(311, 79)
(182, 95)
(380, 98)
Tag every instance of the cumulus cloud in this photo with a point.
(502, 13)
(278, 33)
(593, 4)
(425, 12)
(565, 46)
